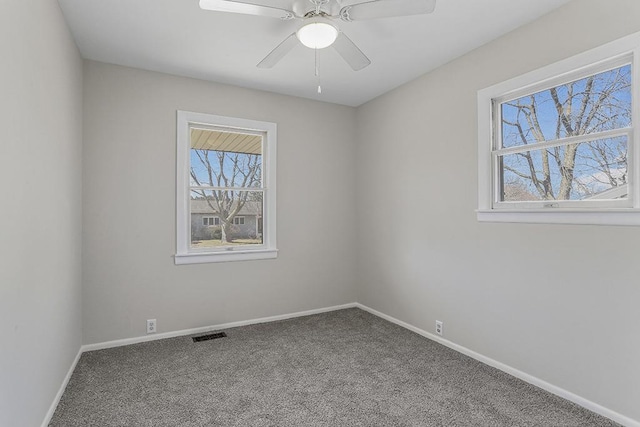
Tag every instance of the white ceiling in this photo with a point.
(177, 37)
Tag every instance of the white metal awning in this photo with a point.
(218, 140)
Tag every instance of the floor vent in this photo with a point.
(209, 337)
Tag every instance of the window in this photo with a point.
(210, 220)
(560, 144)
(225, 189)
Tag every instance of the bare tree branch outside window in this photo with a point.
(566, 171)
(232, 176)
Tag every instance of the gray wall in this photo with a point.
(40, 218)
(560, 304)
(129, 207)
(557, 302)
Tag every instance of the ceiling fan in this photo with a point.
(318, 29)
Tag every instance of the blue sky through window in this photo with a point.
(590, 105)
(212, 167)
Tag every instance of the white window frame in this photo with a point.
(238, 220)
(184, 253)
(627, 212)
(213, 219)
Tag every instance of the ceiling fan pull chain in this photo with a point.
(318, 71)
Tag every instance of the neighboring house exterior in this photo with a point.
(206, 222)
(618, 192)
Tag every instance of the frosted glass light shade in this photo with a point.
(317, 35)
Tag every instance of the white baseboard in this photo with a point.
(565, 394)
(154, 337)
(585, 403)
(135, 340)
(56, 400)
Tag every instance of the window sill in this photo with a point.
(624, 217)
(202, 258)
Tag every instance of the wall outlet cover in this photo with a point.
(151, 326)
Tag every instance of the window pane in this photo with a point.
(589, 170)
(225, 159)
(230, 228)
(593, 104)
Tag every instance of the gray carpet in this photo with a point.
(344, 368)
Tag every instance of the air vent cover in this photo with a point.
(209, 337)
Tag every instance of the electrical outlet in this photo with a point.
(439, 327)
(151, 326)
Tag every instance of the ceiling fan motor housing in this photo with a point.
(303, 8)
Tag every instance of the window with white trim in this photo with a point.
(225, 189)
(560, 144)
(210, 220)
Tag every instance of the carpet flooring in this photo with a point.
(343, 368)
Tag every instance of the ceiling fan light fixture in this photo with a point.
(317, 34)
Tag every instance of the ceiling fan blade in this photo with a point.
(350, 52)
(279, 52)
(386, 9)
(245, 7)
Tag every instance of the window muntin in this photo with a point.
(226, 189)
(567, 144)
